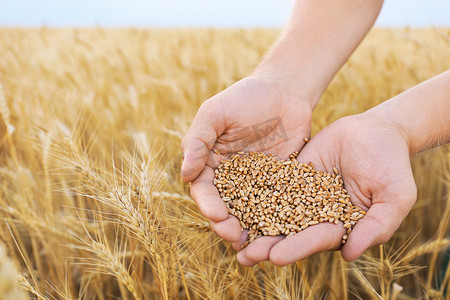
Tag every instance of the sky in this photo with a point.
(197, 13)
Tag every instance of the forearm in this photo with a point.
(421, 114)
(319, 38)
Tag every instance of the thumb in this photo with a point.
(379, 224)
(310, 153)
(199, 139)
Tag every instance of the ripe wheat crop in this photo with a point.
(91, 202)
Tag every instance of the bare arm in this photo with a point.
(320, 37)
(422, 113)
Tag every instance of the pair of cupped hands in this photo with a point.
(257, 114)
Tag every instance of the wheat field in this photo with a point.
(91, 202)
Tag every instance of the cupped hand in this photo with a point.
(254, 114)
(372, 156)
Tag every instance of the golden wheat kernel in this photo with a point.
(313, 222)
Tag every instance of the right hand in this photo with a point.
(372, 156)
(254, 114)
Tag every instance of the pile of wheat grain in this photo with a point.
(270, 196)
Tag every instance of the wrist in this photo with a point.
(421, 114)
(288, 82)
(383, 116)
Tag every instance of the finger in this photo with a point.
(310, 153)
(214, 159)
(375, 228)
(195, 155)
(314, 239)
(229, 229)
(238, 245)
(200, 138)
(258, 250)
(207, 196)
(243, 260)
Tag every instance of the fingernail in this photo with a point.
(240, 255)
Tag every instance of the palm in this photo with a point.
(370, 158)
(374, 163)
(259, 117)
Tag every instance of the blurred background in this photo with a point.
(197, 13)
(91, 120)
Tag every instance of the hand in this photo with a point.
(372, 156)
(254, 114)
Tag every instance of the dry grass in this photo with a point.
(91, 203)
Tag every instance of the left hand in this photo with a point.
(254, 114)
(372, 156)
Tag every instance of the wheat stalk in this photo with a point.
(426, 248)
(8, 284)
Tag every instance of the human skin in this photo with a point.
(280, 95)
(372, 151)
